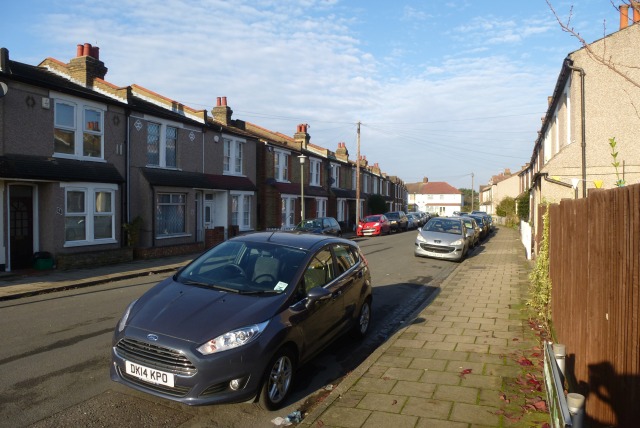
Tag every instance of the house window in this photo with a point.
(288, 207)
(78, 129)
(314, 167)
(281, 165)
(335, 175)
(366, 183)
(321, 207)
(161, 145)
(170, 214)
(342, 208)
(233, 154)
(89, 214)
(241, 210)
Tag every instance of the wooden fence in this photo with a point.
(594, 247)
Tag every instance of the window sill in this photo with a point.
(71, 244)
(82, 158)
(177, 235)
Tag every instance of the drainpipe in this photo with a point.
(584, 131)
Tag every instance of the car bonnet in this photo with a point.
(198, 314)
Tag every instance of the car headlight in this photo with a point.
(376, 225)
(458, 242)
(420, 238)
(233, 339)
(123, 321)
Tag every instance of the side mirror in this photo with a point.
(317, 294)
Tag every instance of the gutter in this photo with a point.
(583, 126)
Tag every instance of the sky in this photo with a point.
(452, 91)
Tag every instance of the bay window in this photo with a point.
(171, 214)
(89, 216)
(241, 209)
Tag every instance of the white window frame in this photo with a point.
(162, 142)
(342, 205)
(321, 207)
(335, 174)
(233, 155)
(184, 210)
(80, 106)
(314, 170)
(281, 165)
(89, 213)
(242, 209)
(287, 211)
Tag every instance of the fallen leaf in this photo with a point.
(394, 402)
(465, 372)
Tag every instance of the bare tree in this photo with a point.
(601, 58)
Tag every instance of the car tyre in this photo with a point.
(361, 328)
(278, 380)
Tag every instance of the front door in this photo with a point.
(21, 227)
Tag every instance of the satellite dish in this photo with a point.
(3, 89)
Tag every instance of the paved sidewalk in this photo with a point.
(26, 283)
(451, 365)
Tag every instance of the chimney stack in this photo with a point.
(86, 66)
(221, 112)
(624, 16)
(302, 135)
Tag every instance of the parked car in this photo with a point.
(487, 216)
(374, 225)
(442, 238)
(234, 324)
(482, 223)
(398, 221)
(473, 231)
(413, 221)
(322, 225)
(422, 217)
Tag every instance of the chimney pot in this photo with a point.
(95, 52)
(79, 50)
(87, 49)
(218, 102)
(224, 101)
(624, 16)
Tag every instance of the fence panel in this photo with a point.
(594, 246)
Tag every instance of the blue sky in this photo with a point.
(443, 89)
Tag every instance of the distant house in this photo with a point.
(435, 197)
(500, 186)
(595, 99)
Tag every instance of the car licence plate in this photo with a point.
(149, 375)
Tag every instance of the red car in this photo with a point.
(374, 225)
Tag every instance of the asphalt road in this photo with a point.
(54, 362)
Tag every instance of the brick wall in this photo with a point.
(93, 258)
(171, 250)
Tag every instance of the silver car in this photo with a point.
(473, 231)
(442, 238)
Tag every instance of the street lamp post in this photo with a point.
(302, 160)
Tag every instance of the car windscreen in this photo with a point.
(372, 219)
(393, 215)
(311, 224)
(245, 267)
(445, 226)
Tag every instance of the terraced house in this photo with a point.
(94, 173)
